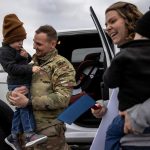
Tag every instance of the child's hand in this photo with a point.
(36, 69)
(24, 53)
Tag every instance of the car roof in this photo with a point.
(76, 31)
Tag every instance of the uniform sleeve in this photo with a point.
(63, 80)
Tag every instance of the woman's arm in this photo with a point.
(101, 109)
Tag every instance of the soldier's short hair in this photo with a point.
(49, 30)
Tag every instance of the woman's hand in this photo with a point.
(17, 99)
(99, 111)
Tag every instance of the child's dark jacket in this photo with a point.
(19, 72)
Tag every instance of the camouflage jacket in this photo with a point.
(51, 88)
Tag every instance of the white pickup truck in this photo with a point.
(80, 47)
(83, 44)
(85, 49)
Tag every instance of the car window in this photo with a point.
(78, 55)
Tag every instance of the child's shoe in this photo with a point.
(13, 142)
(34, 139)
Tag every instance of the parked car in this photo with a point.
(85, 50)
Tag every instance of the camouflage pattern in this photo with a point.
(56, 139)
(51, 91)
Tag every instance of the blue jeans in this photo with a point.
(23, 119)
(115, 132)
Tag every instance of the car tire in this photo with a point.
(6, 114)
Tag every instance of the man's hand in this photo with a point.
(22, 90)
(127, 125)
(17, 99)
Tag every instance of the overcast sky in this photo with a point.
(61, 14)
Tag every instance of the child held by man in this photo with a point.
(15, 61)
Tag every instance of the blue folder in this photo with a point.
(75, 110)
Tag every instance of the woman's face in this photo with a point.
(115, 27)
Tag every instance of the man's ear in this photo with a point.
(53, 43)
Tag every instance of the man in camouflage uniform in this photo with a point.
(51, 89)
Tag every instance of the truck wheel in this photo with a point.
(6, 114)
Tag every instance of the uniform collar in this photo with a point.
(47, 58)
